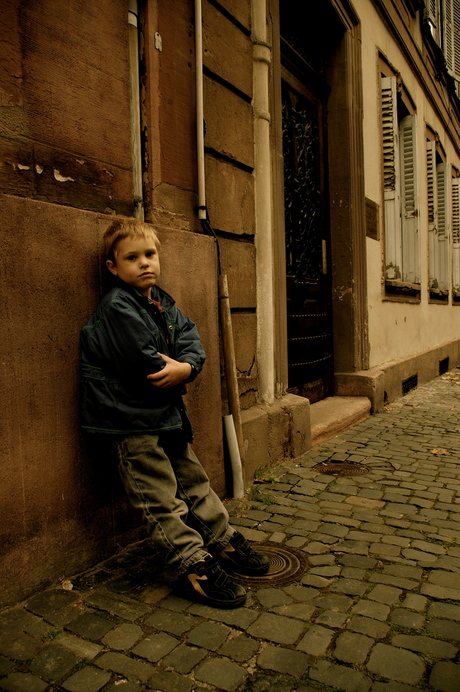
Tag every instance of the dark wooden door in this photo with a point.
(309, 323)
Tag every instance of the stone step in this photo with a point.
(332, 416)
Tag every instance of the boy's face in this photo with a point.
(137, 263)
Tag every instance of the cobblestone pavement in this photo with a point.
(377, 609)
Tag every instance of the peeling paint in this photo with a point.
(61, 178)
(38, 168)
(393, 272)
(18, 166)
(341, 292)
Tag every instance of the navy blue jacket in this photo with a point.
(119, 348)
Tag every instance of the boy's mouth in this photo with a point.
(147, 274)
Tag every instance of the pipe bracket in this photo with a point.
(262, 52)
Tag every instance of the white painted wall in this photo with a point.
(398, 329)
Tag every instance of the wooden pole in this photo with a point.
(230, 360)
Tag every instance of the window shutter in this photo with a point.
(449, 36)
(430, 164)
(432, 13)
(456, 32)
(409, 211)
(456, 237)
(391, 175)
(443, 235)
(452, 37)
(456, 211)
(432, 211)
(442, 199)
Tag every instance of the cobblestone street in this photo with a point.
(377, 608)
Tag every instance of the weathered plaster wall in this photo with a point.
(402, 330)
(188, 273)
(169, 110)
(65, 167)
(64, 140)
(64, 128)
(61, 504)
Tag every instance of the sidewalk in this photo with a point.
(376, 609)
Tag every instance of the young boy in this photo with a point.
(137, 351)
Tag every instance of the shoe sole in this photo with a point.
(256, 572)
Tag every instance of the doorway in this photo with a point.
(319, 168)
(308, 275)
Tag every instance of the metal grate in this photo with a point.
(341, 468)
(410, 383)
(286, 565)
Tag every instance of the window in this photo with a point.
(402, 250)
(443, 19)
(438, 235)
(433, 17)
(451, 41)
(456, 236)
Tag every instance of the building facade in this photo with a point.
(301, 161)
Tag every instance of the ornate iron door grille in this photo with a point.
(310, 364)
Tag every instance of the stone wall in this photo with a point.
(65, 153)
(61, 503)
(170, 134)
(65, 129)
(65, 169)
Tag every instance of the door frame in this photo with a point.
(316, 95)
(346, 184)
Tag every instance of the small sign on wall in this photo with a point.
(372, 219)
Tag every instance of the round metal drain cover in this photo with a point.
(341, 468)
(286, 565)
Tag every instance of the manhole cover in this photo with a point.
(286, 565)
(341, 468)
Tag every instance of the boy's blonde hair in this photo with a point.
(126, 228)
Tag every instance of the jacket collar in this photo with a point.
(157, 294)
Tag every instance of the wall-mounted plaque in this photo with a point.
(372, 219)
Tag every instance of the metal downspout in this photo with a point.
(232, 423)
(263, 204)
(135, 107)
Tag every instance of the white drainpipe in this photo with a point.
(135, 103)
(200, 110)
(263, 204)
(232, 422)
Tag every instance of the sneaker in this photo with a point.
(238, 556)
(206, 581)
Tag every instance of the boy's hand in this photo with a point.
(173, 373)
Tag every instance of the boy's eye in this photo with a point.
(150, 253)
(131, 257)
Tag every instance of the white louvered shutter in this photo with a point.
(452, 37)
(456, 237)
(391, 177)
(449, 36)
(432, 211)
(433, 12)
(409, 202)
(443, 228)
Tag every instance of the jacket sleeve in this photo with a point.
(187, 344)
(126, 344)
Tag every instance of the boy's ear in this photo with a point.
(112, 267)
